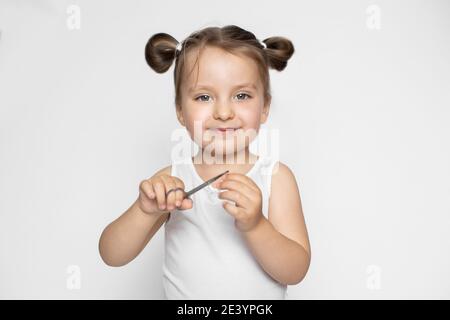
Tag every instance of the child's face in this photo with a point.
(228, 94)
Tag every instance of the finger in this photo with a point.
(186, 204)
(152, 193)
(243, 179)
(216, 184)
(146, 189)
(179, 194)
(241, 200)
(160, 191)
(231, 208)
(169, 183)
(237, 186)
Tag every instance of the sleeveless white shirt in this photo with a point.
(205, 255)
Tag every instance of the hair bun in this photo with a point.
(279, 50)
(160, 51)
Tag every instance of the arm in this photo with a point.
(123, 239)
(280, 244)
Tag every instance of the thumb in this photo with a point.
(216, 183)
(186, 204)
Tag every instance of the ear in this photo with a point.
(180, 116)
(265, 111)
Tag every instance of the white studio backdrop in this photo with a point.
(362, 111)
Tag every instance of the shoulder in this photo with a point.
(283, 189)
(282, 175)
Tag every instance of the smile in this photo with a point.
(225, 130)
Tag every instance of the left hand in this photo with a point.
(247, 196)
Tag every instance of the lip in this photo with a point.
(225, 130)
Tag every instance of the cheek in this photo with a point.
(197, 117)
(196, 120)
(250, 117)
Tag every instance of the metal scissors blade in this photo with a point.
(191, 192)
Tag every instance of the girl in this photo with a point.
(229, 240)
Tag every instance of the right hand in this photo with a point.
(152, 195)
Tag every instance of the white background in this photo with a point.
(363, 116)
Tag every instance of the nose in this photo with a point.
(223, 111)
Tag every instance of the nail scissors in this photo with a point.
(198, 188)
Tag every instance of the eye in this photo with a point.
(243, 96)
(202, 98)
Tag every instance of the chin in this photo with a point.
(220, 151)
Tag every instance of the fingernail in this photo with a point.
(178, 203)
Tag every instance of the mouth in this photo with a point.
(224, 130)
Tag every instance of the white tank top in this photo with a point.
(206, 256)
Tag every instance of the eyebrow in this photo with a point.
(243, 85)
